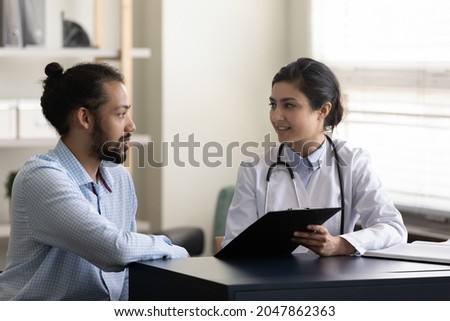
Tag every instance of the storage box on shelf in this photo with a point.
(8, 118)
(31, 121)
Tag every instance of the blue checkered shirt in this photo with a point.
(72, 238)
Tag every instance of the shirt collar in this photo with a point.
(312, 161)
(77, 171)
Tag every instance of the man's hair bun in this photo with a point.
(54, 70)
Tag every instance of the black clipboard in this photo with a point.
(270, 236)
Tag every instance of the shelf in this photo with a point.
(36, 52)
(27, 143)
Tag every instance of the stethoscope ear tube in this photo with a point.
(341, 184)
(279, 162)
(288, 167)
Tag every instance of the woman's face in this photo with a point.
(293, 118)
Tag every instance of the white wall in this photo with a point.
(299, 29)
(217, 61)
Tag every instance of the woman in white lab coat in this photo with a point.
(305, 104)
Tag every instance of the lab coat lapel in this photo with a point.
(324, 183)
(303, 195)
(325, 190)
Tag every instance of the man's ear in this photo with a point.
(325, 110)
(83, 117)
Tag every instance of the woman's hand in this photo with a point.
(321, 242)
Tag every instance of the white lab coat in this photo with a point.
(365, 199)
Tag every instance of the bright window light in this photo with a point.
(393, 61)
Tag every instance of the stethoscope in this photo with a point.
(288, 166)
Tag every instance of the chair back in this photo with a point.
(223, 203)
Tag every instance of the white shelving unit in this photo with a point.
(123, 55)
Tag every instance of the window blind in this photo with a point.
(393, 61)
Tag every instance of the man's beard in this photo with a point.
(107, 149)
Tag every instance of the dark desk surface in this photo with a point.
(298, 277)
